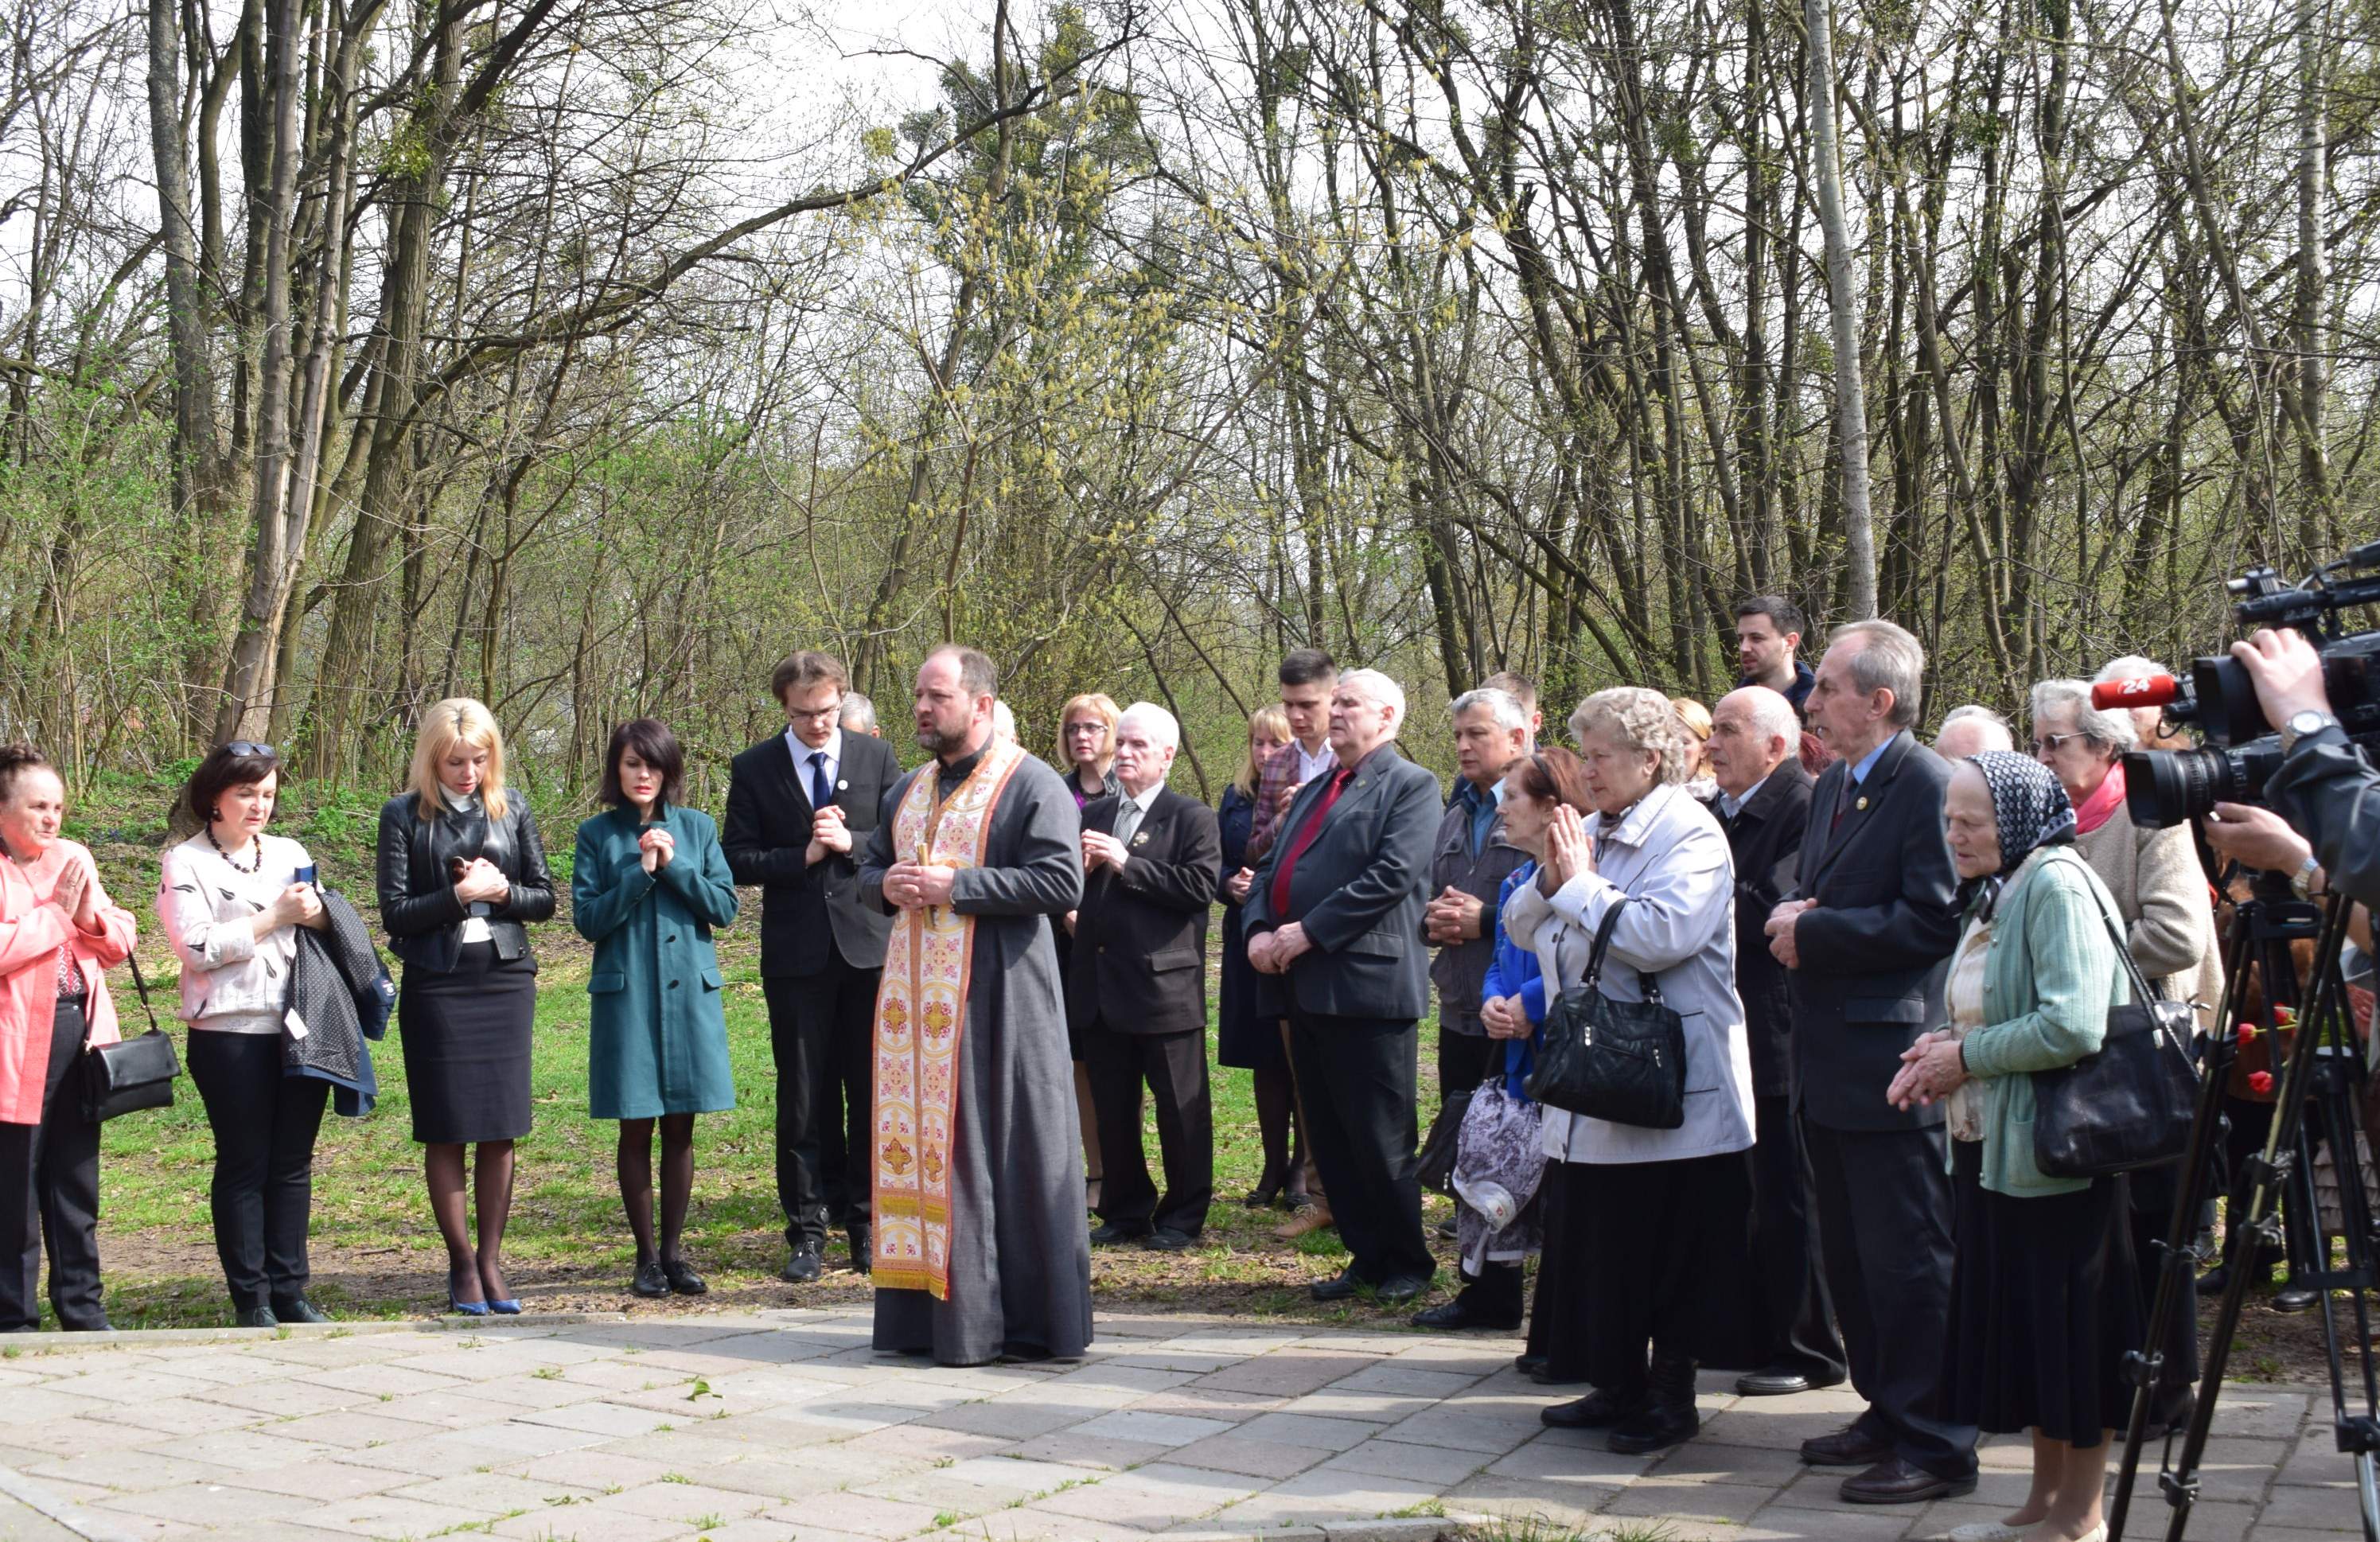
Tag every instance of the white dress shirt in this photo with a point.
(803, 752)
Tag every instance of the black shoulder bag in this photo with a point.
(2129, 1104)
(132, 1073)
(1623, 1061)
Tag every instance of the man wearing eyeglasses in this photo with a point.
(800, 805)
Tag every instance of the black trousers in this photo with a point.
(51, 1195)
(1797, 1315)
(1884, 1229)
(1463, 1062)
(821, 1035)
(264, 1124)
(1355, 1076)
(1174, 1067)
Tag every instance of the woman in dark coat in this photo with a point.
(1247, 1038)
(648, 885)
(461, 872)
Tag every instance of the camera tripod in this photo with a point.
(2315, 1100)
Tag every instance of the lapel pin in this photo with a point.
(1140, 838)
(1861, 805)
(843, 786)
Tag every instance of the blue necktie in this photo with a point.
(820, 794)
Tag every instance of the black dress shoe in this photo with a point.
(649, 1281)
(1341, 1287)
(1165, 1239)
(681, 1278)
(1653, 1427)
(1448, 1230)
(1597, 1410)
(805, 1266)
(1778, 1384)
(1398, 1289)
(1116, 1231)
(1454, 1316)
(96, 1325)
(1893, 1481)
(250, 1317)
(863, 1257)
(2294, 1299)
(1533, 1364)
(296, 1308)
(1845, 1448)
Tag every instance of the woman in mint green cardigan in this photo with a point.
(2042, 1309)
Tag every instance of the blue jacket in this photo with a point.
(1514, 971)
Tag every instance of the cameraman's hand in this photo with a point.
(2257, 838)
(2286, 672)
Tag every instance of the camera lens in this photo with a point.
(2168, 787)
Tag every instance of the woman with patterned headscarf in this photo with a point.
(2042, 1305)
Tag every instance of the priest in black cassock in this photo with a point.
(980, 1248)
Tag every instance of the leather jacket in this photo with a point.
(417, 895)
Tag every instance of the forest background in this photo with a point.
(357, 353)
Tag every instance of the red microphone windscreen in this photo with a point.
(2153, 690)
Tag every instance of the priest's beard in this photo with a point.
(946, 736)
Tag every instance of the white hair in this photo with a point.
(1377, 689)
(1995, 728)
(1770, 713)
(1004, 721)
(2132, 666)
(1888, 659)
(1639, 720)
(2107, 727)
(1164, 731)
(1510, 715)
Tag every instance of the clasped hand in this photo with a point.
(1452, 916)
(828, 833)
(917, 886)
(1782, 944)
(1271, 952)
(1238, 885)
(482, 883)
(1930, 1069)
(1570, 850)
(1505, 1017)
(655, 847)
(1103, 850)
(78, 895)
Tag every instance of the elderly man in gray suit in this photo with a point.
(1335, 912)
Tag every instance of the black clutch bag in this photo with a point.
(132, 1074)
(2129, 1104)
(1623, 1061)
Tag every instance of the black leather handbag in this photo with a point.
(1623, 1061)
(1435, 1168)
(2129, 1104)
(132, 1073)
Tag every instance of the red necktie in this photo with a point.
(1305, 834)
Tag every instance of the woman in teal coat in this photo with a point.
(649, 884)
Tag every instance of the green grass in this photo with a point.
(375, 1250)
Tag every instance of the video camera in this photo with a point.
(2170, 787)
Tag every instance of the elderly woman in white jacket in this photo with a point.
(1647, 1253)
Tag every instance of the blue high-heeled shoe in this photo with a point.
(468, 1308)
(508, 1307)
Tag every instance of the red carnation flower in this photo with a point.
(2259, 1081)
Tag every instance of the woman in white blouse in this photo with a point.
(230, 899)
(1647, 1251)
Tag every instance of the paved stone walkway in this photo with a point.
(784, 1425)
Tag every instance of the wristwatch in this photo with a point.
(2302, 881)
(2302, 723)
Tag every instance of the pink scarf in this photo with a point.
(2095, 810)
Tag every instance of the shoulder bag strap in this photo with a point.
(141, 986)
(1603, 939)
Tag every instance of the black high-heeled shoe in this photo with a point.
(1267, 1189)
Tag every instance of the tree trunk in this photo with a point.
(1842, 297)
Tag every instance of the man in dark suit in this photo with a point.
(1137, 985)
(1764, 802)
(1868, 941)
(799, 807)
(1336, 913)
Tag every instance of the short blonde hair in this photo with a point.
(1109, 714)
(1640, 720)
(1694, 715)
(458, 719)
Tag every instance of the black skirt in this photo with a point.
(1244, 1038)
(466, 1036)
(2044, 1305)
(1644, 1254)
